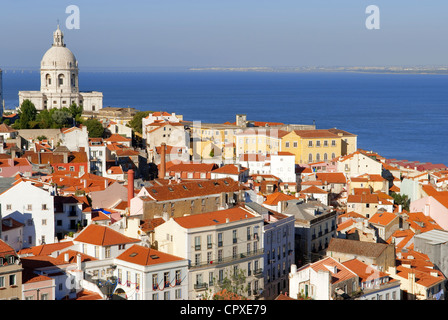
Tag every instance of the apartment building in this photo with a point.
(218, 245)
(278, 244)
(310, 146)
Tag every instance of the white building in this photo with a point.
(12, 233)
(148, 274)
(98, 155)
(357, 163)
(32, 206)
(280, 164)
(218, 245)
(59, 81)
(278, 244)
(325, 279)
(75, 138)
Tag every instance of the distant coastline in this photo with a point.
(390, 70)
(442, 70)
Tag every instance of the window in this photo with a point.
(107, 250)
(295, 144)
(155, 281)
(209, 241)
(29, 207)
(220, 239)
(318, 143)
(197, 243)
(44, 222)
(8, 207)
(178, 294)
(178, 277)
(12, 280)
(197, 259)
(333, 143)
(2, 282)
(234, 252)
(286, 144)
(234, 236)
(310, 157)
(44, 207)
(325, 143)
(310, 143)
(166, 279)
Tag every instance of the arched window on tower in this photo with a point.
(61, 79)
(48, 80)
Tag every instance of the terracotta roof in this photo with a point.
(424, 279)
(440, 196)
(314, 189)
(117, 138)
(274, 198)
(230, 169)
(362, 198)
(46, 249)
(332, 177)
(188, 189)
(6, 249)
(214, 218)
(419, 221)
(150, 224)
(339, 272)
(146, 256)
(5, 128)
(364, 271)
(318, 133)
(360, 248)
(382, 218)
(192, 167)
(103, 236)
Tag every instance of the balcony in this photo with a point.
(200, 286)
(228, 259)
(258, 273)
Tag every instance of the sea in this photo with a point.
(399, 116)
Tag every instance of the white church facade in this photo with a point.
(59, 81)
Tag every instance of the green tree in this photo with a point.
(94, 127)
(233, 286)
(62, 118)
(27, 115)
(401, 199)
(44, 119)
(76, 112)
(136, 121)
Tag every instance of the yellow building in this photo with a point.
(349, 142)
(259, 141)
(310, 146)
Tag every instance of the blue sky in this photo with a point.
(200, 33)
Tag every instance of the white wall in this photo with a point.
(26, 206)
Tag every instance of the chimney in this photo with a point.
(66, 257)
(130, 186)
(162, 165)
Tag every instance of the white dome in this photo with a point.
(58, 57)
